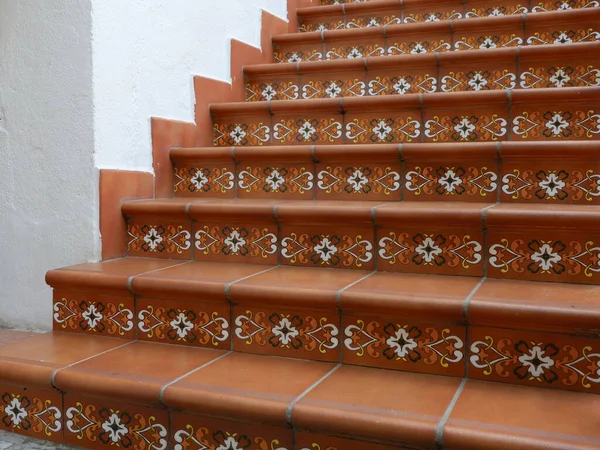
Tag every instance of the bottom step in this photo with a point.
(100, 392)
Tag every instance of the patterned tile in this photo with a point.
(535, 359)
(393, 343)
(103, 315)
(467, 182)
(282, 89)
(250, 243)
(431, 251)
(32, 413)
(309, 441)
(246, 131)
(96, 423)
(185, 323)
(196, 432)
(317, 246)
(306, 130)
(294, 181)
(474, 126)
(545, 256)
(404, 126)
(551, 182)
(547, 75)
(352, 182)
(210, 180)
(335, 50)
(304, 334)
(576, 123)
(159, 239)
(487, 78)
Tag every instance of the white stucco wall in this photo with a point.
(47, 183)
(145, 54)
(79, 81)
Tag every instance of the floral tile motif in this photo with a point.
(564, 258)
(478, 80)
(537, 359)
(408, 47)
(301, 334)
(552, 184)
(103, 315)
(276, 181)
(159, 240)
(196, 432)
(306, 130)
(208, 180)
(461, 183)
(31, 413)
(313, 246)
(257, 244)
(577, 123)
(267, 91)
(393, 344)
(186, 323)
(558, 76)
(431, 251)
(95, 423)
(354, 51)
(563, 36)
(370, 129)
(405, 82)
(309, 441)
(252, 132)
(563, 5)
(480, 127)
(373, 182)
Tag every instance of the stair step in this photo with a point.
(511, 172)
(534, 67)
(103, 390)
(461, 35)
(532, 115)
(393, 12)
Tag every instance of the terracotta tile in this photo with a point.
(205, 180)
(97, 424)
(337, 406)
(32, 362)
(14, 336)
(236, 387)
(315, 441)
(276, 180)
(489, 33)
(103, 315)
(191, 430)
(321, 80)
(430, 13)
(402, 79)
(415, 39)
(568, 27)
(536, 359)
(242, 130)
(567, 72)
(159, 239)
(32, 412)
(495, 416)
(131, 373)
(280, 87)
(310, 50)
(383, 127)
(307, 128)
(344, 46)
(490, 8)
(184, 323)
(287, 331)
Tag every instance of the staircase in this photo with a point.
(393, 243)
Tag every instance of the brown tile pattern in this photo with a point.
(103, 315)
(276, 181)
(159, 239)
(310, 441)
(206, 180)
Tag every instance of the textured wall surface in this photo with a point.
(48, 198)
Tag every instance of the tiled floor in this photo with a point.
(14, 441)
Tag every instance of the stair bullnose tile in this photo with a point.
(442, 214)
(571, 308)
(173, 208)
(135, 373)
(358, 152)
(279, 154)
(514, 217)
(257, 388)
(327, 212)
(364, 403)
(254, 210)
(513, 151)
(496, 416)
(204, 154)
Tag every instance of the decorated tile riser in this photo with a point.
(535, 359)
(308, 441)
(102, 315)
(160, 239)
(31, 412)
(184, 323)
(519, 182)
(494, 124)
(445, 43)
(469, 11)
(313, 335)
(483, 77)
(402, 344)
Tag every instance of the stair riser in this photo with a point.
(358, 338)
(495, 33)
(414, 14)
(427, 77)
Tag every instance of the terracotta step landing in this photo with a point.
(392, 12)
(508, 172)
(490, 33)
(533, 67)
(99, 392)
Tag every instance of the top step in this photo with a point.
(340, 15)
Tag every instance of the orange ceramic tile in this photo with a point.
(496, 416)
(565, 28)
(191, 430)
(336, 406)
(273, 180)
(390, 76)
(159, 239)
(32, 412)
(536, 359)
(205, 180)
(131, 373)
(415, 39)
(489, 33)
(14, 336)
(96, 424)
(315, 441)
(242, 130)
(241, 386)
(85, 312)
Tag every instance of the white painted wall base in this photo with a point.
(79, 81)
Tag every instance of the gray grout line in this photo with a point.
(130, 279)
(290, 407)
(439, 432)
(53, 376)
(191, 372)
(339, 293)
(231, 283)
(465, 305)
